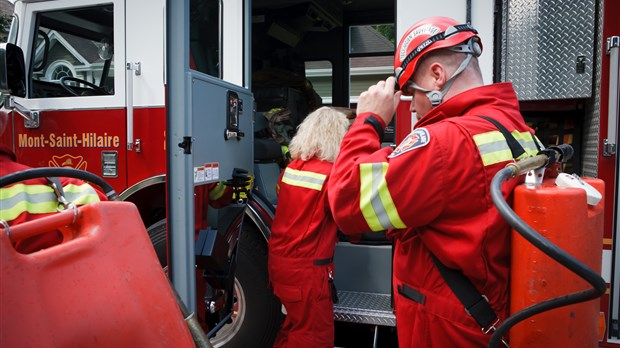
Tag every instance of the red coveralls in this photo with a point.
(38, 201)
(301, 250)
(432, 194)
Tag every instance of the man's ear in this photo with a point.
(438, 73)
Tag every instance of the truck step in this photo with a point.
(364, 308)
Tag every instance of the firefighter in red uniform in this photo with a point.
(304, 234)
(432, 192)
(35, 198)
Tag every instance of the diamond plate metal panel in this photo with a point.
(548, 48)
(364, 308)
(593, 115)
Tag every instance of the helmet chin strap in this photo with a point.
(436, 97)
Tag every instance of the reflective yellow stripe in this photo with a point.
(40, 199)
(376, 203)
(494, 148)
(8, 192)
(217, 192)
(80, 194)
(304, 178)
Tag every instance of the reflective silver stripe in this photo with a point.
(494, 148)
(41, 199)
(376, 202)
(303, 178)
(217, 192)
(34, 198)
(81, 197)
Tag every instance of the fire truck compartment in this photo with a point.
(363, 277)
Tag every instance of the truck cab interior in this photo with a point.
(73, 53)
(321, 42)
(306, 54)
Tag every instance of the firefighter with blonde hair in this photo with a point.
(304, 234)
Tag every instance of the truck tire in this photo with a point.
(157, 234)
(258, 313)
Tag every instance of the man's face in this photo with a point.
(420, 104)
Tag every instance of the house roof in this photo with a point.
(86, 48)
(364, 39)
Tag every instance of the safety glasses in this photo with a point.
(408, 90)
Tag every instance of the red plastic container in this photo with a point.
(101, 287)
(562, 216)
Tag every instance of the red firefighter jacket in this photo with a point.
(303, 226)
(35, 198)
(432, 195)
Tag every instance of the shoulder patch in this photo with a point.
(416, 139)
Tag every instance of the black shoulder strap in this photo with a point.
(475, 304)
(516, 148)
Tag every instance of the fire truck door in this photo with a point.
(145, 77)
(73, 55)
(612, 257)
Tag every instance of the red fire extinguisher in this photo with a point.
(556, 255)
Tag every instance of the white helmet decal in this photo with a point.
(428, 29)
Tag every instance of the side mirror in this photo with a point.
(12, 70)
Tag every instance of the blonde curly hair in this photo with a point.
(319, 135)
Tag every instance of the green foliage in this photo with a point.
(5, 25)
(386, 30)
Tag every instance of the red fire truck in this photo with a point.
(98, 74)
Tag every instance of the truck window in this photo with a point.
(73, 53)
(371, 56)
(320, 74)
(205, 36)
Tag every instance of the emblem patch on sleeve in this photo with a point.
(416, 139)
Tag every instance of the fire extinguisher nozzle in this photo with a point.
(564, 152)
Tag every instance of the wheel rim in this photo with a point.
(228, 331)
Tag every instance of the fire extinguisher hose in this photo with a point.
(546, 246)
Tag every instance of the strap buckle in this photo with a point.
(56, 185)
(491, 328)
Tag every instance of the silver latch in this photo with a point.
(609, 148)
(138, 145)
(136, 67)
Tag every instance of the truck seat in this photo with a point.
(267, 154)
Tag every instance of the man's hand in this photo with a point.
(380, 100)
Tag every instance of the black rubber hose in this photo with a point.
(34, 173)
(546, 246)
